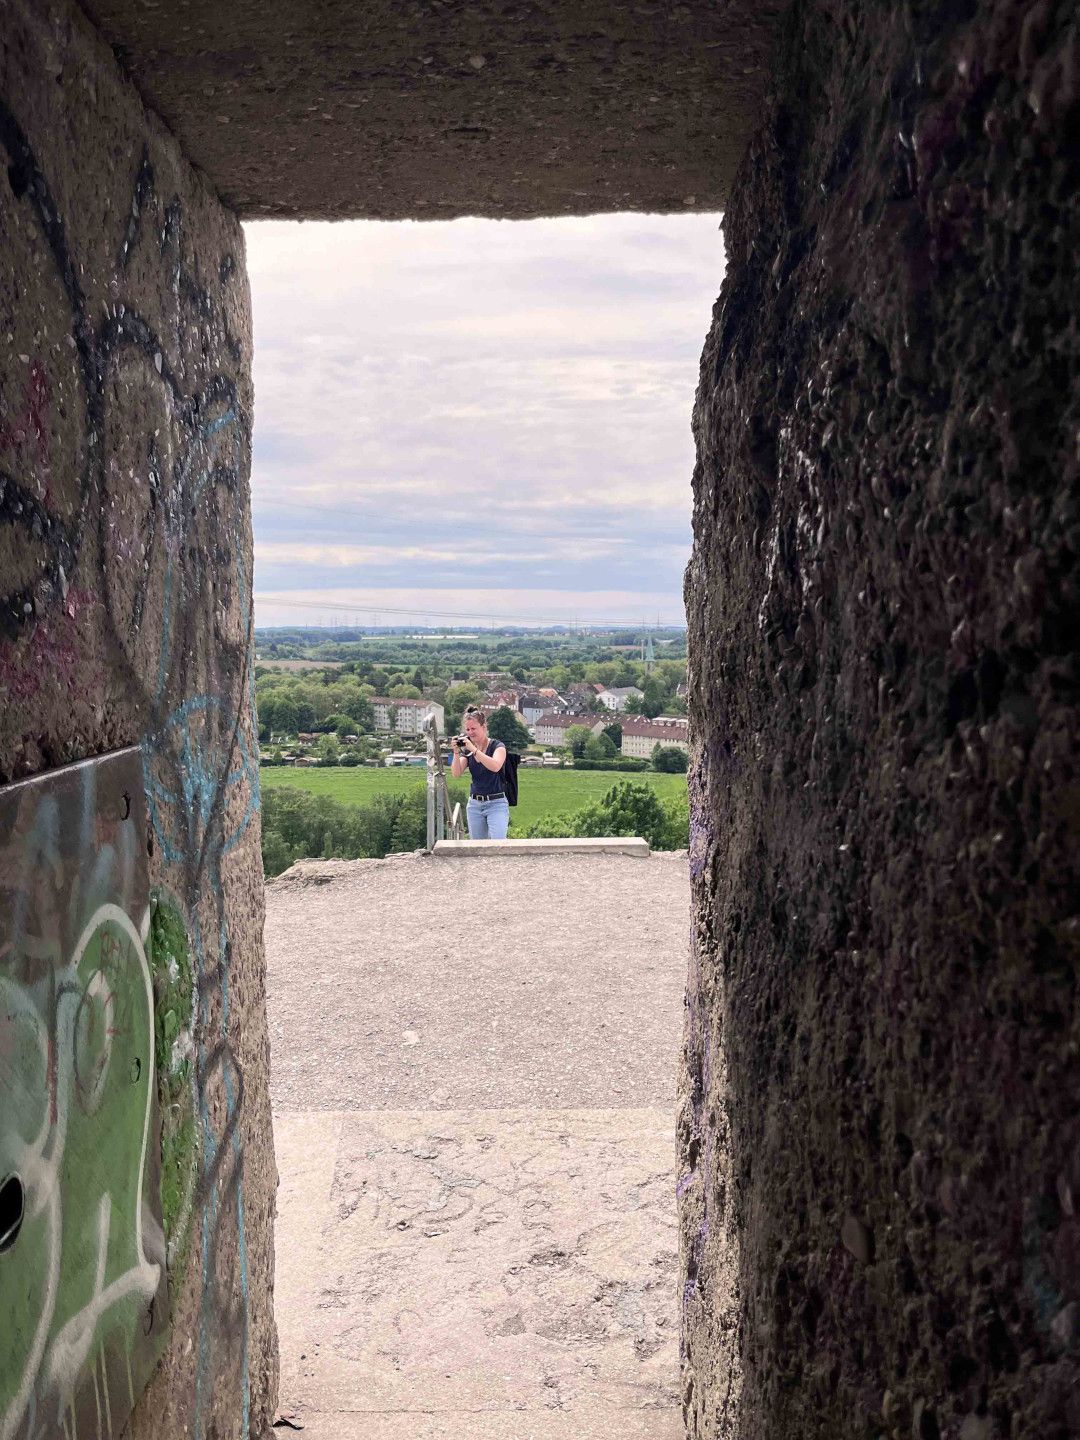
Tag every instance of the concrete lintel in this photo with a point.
(591, 845)
(330, 110)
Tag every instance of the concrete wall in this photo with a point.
(125, 617)
(883, 592)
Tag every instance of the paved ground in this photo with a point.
(473, 1079)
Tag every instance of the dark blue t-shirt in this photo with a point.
(483, 781)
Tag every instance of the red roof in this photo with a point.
(563, 721)
(656, 729)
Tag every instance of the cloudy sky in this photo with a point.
(476, 419)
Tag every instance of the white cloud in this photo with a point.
(476, 393)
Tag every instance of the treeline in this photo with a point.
(626, 809)
(339, 701)
(322, 700)
(528, 649)
(297, 825)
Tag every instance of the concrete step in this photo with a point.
(478, 1274)
(588, 1423)
(592, 845)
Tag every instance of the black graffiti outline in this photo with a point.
(123, 329)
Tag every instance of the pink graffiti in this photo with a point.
(52, 649)
(29, 430)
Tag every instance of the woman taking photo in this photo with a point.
(488, 808)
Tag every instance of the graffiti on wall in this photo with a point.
(124, 455)
(82, 1273)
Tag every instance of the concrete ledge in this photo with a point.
(593, 845)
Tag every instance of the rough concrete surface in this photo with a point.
(125, 565)
(429, 110)
(880, 1102)
(586, 845)
(474, 1128)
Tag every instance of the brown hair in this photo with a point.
(475, 710)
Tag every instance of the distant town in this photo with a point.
(598, 719)
(366, 696)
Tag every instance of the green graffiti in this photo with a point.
(78, 1285)
(174, 1014)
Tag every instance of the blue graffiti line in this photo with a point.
(199, 771)
(210, 1213)
(208, 429)
(198, 764)
(230, 1100)
(196, 451)
(166, 628)
(220, 422)
(248, 770)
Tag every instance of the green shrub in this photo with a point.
(626, 809)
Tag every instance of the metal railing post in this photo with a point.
(432, 753)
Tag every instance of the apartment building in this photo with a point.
(639, 736)
(405, 717)
(551, 728)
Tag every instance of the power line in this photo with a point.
(366, 609)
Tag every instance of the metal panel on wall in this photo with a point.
(83, 1291)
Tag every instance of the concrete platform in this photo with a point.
(591, 845)
(474, 1131)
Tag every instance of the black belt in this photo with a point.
(498, 795)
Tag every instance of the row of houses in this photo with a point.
(531, 704)
(639, 735)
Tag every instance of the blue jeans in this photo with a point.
(488, 819)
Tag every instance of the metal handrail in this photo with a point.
(438, 793)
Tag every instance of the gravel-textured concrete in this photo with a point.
(883, 1074)
(476, 1227)
(398, 109)
(414, 982)
(125, 619)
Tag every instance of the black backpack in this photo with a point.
(509, 777)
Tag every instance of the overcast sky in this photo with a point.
(477, 418)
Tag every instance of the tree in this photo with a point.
(628, 808)
(403, 692)
(504, 725)
(418, 679)
(670, 759)
(328, 749)
(600, 747)
(360, 709)
(341, 725)
(577, 737)
(458, 696)
(276, 854)
(652, 702)
(614, 733)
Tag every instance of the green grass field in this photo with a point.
(540, 792)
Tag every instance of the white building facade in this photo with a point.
(639, 737)
(620, 697)
(551, 729)
(405, 717)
